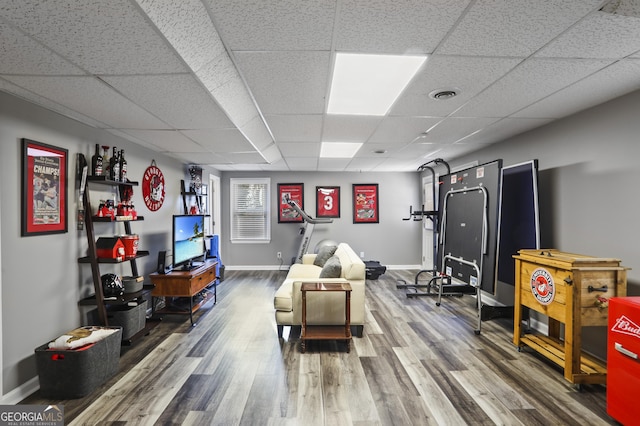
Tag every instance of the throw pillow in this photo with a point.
(324, 254)
(332, 268)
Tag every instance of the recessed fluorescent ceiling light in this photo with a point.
(369, 84)
(339, 149)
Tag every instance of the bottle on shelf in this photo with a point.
(115, 165)
(106, 162)
(96, 162)
(123, 167)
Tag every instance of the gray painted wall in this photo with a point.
(588, 193)
(589, 179)
(41, 281)
(392, 241)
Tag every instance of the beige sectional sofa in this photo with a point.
(322, 308)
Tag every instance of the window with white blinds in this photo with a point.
(250, 214)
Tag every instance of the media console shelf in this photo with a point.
(185, 284)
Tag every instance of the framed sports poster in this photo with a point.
(290, 191)
(44, 189)
(327, 201)
(365, 203)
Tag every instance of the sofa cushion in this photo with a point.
(353, 268)
(332, 268)
(324, 254)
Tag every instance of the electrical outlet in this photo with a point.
(279, 255)
(361, 255)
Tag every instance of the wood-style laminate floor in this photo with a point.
(417, 364)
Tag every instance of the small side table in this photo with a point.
(326, 332)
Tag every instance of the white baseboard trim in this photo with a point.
(286, 267)
(402, 267)
(256, 268)
(18, 394)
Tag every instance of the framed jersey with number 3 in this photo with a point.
(327, 201)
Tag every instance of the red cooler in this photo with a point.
(623, 360)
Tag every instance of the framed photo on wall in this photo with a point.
(292, 191)
(365, 203)
(44, 189)
(327, 201)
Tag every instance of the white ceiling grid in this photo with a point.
(243, 84)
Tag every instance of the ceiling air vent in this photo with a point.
(443, 94)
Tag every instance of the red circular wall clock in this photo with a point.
(153, 187)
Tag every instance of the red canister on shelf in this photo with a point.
(130, 245)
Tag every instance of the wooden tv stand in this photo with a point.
(185, 284)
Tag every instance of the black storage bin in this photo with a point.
(74, 373)
(374, 269)
(132, 319)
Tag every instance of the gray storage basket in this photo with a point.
(132, 319)
(74, 373)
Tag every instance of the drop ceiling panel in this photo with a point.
(453, 129)
(396, 27)
(302, 163)
(402, 130)
(368, 150)
(9, 87)
(504, 129)
(23, 55)
(200, 158)
(456, 150)
(234, 98)
(289, 25)
(528, 83)
(591, 38)
(299, 149)
(166, 140)
(286, 82)
(616, 80)
(220, 140)
(244, 157)
(295, 127)
(188, 27)
(177, 99)
(333, 164)
(161, 65)
(349, 128)
(102, 37)
(450, 72)
(363, 164)
(276, 166)
(415, 151)
(91, 96)
(395, 164)
(513, 27)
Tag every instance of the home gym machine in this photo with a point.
(306, 230)
(467, 243)
(421, 216)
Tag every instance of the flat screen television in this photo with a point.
(188, 243)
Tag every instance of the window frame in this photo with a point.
(234, 183)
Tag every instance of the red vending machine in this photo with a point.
(623, 363)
